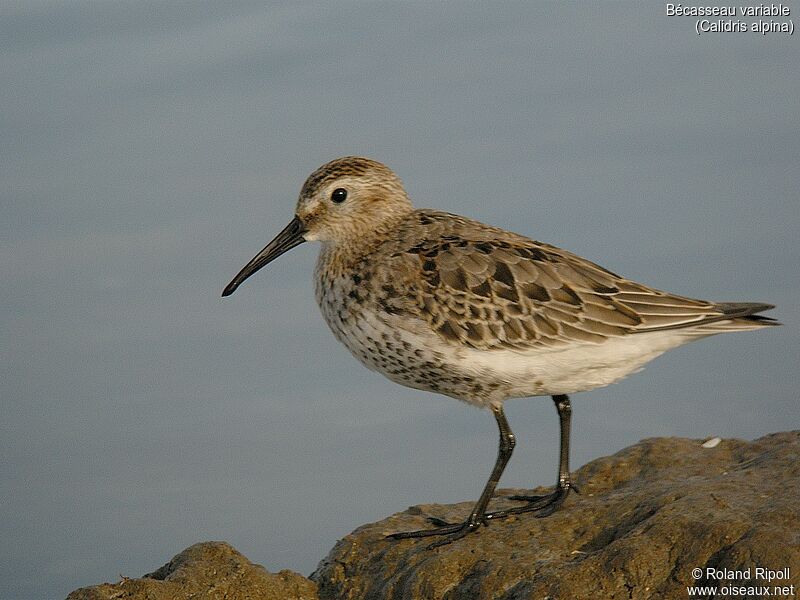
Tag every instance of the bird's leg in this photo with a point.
(478, 515)
(549, 503)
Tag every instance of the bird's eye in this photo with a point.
(339, 195)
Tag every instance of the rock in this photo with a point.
(645, 518)
(210, 570)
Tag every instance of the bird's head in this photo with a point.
(343, 202)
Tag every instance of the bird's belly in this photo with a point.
(571, 368)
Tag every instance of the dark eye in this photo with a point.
(339, 195)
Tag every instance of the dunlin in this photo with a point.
(442, 303)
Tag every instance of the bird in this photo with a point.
(439, 302)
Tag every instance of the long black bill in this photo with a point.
(291, 236)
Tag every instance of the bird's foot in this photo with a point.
(450, 531)
(543, 506)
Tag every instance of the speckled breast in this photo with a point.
(351, 306)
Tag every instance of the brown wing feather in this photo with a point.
(499, 290)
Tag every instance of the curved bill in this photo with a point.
(291, 236)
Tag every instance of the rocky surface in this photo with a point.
(646, 517)
(212, 571)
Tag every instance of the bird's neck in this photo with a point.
(340, 256)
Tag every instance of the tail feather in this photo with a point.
(744, 309)
(747, 311)
(739, 316)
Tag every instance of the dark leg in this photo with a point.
(478, 515)
(549, 503)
